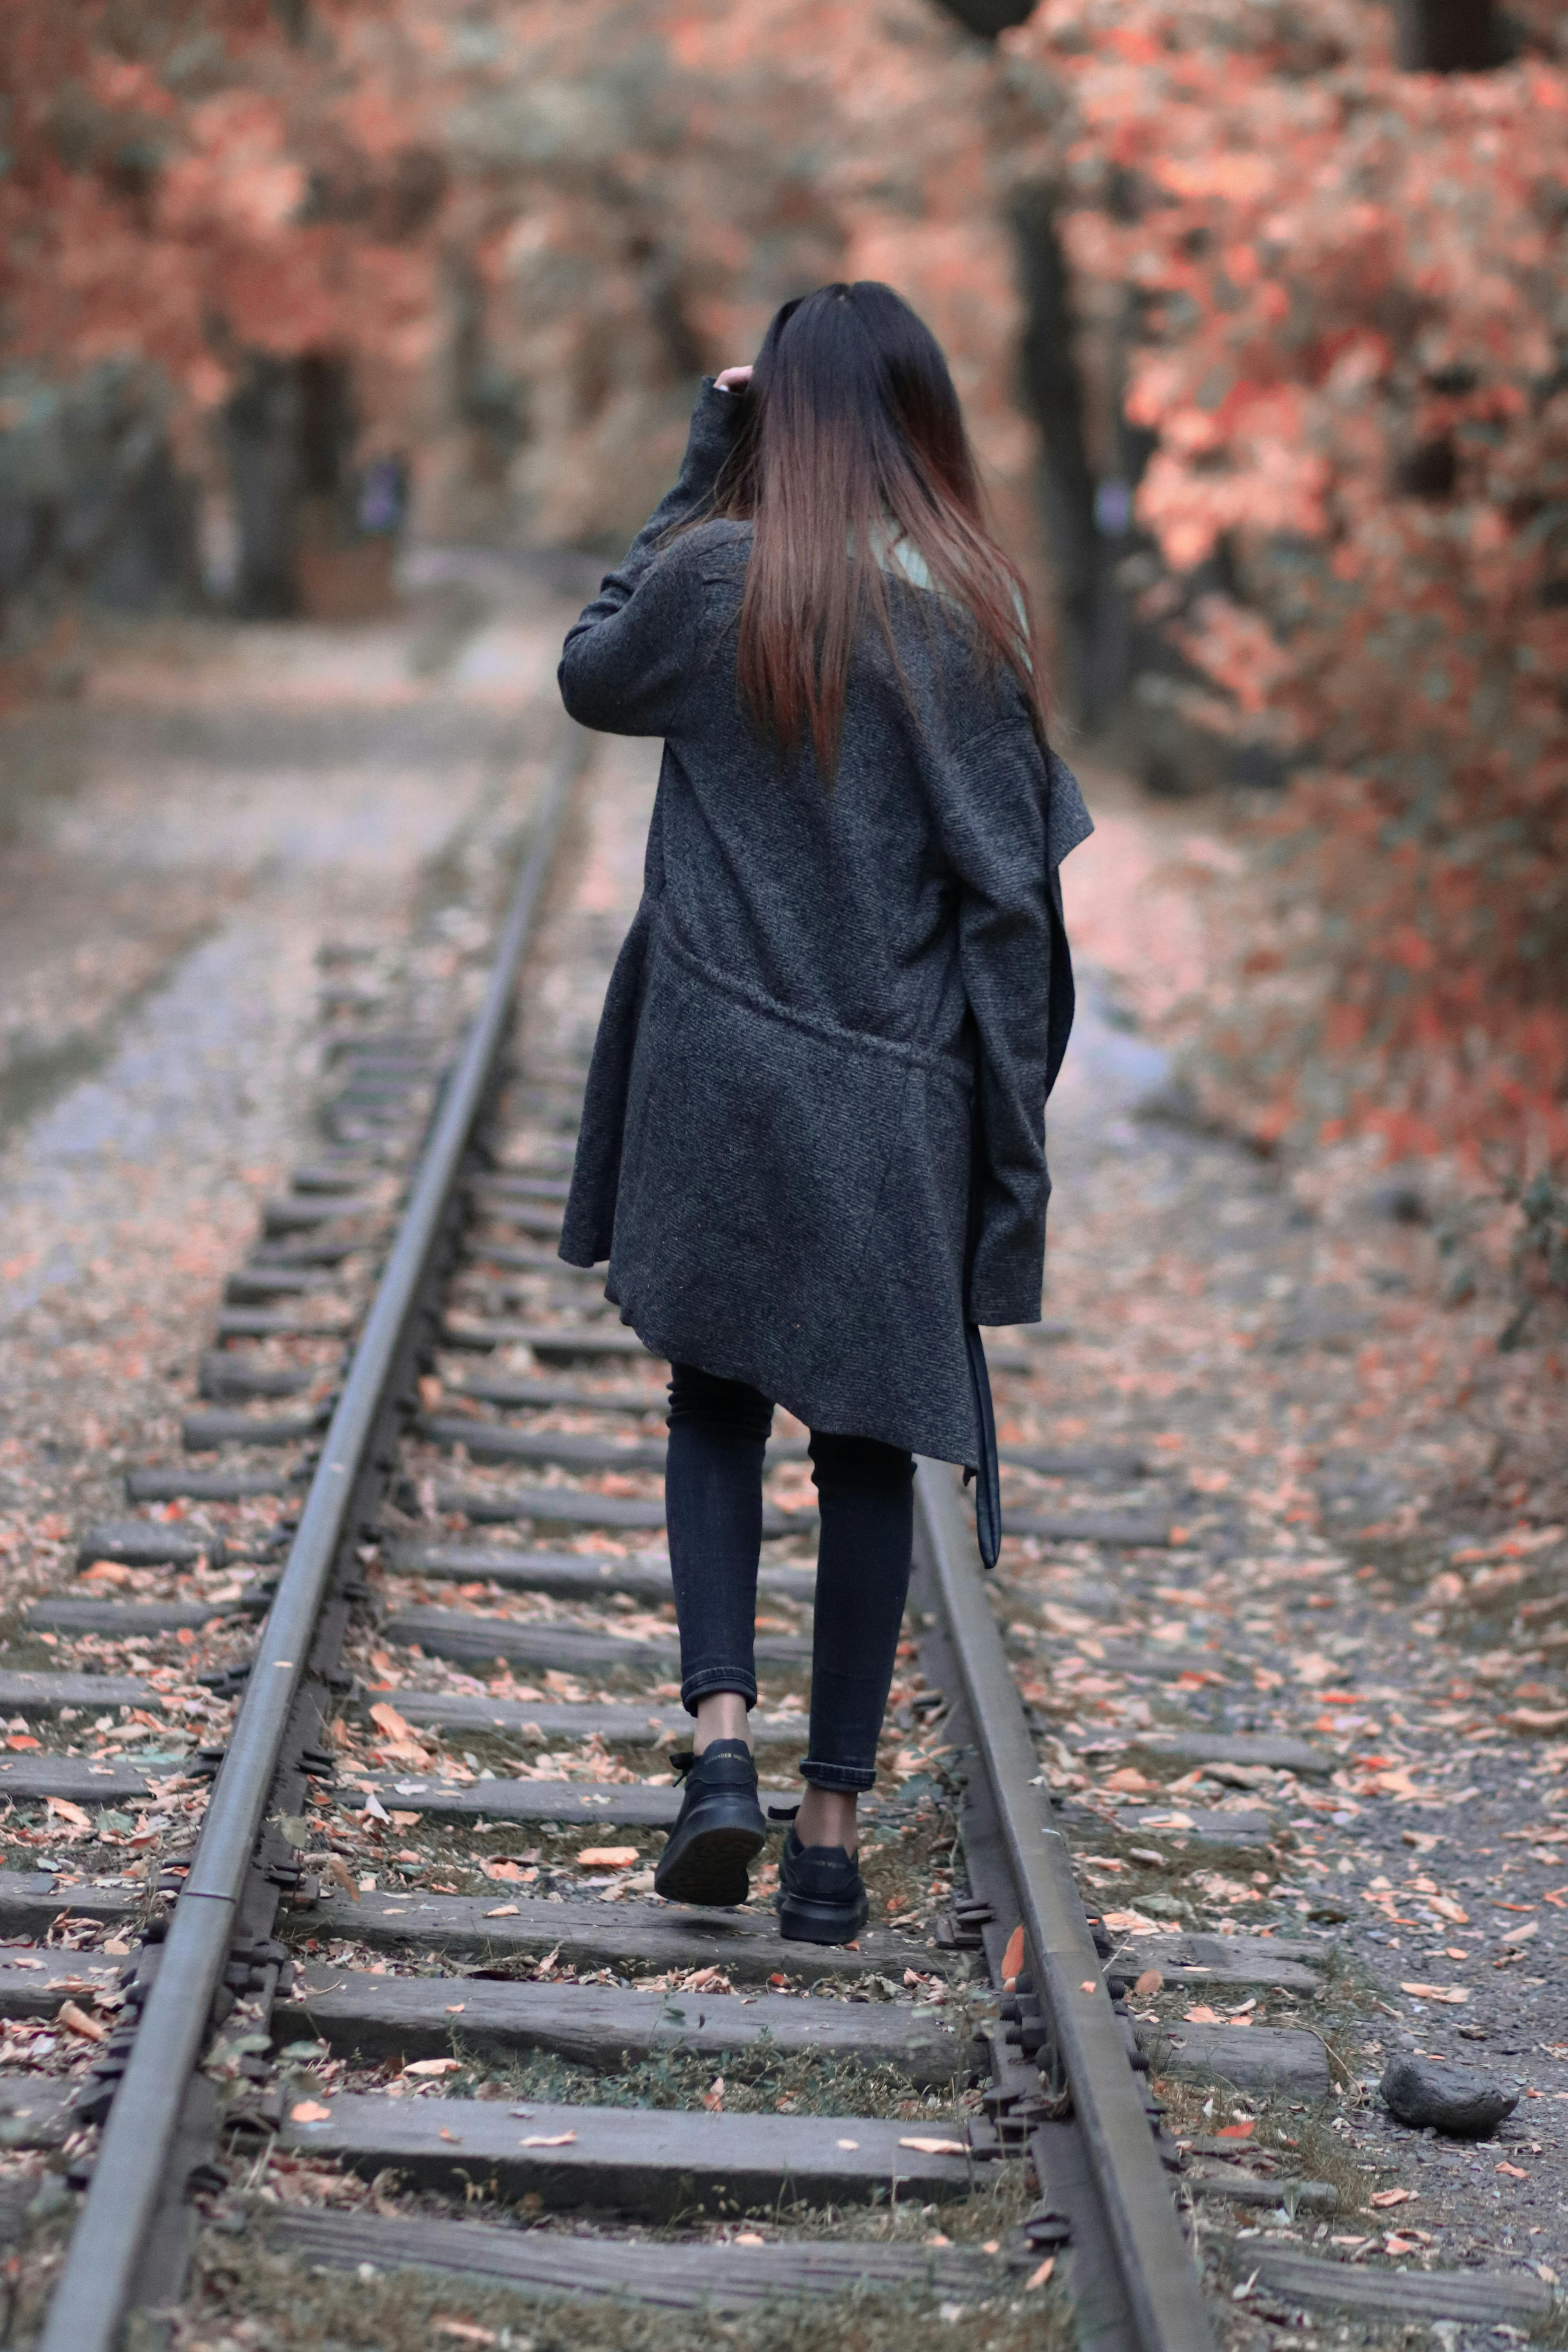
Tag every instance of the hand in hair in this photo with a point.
(733, 379)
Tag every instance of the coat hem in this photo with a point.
(937, 1445)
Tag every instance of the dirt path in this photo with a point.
(1372, 1560)
(231, 827)
(1372, 1551)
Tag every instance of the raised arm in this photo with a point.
(629, 655)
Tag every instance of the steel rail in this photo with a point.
(1163, 2289)
(94, 2291)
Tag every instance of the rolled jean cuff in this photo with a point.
(845, 1779)
(708, 1679)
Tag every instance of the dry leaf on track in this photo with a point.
(77, 2020)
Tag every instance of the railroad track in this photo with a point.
(450, 1656)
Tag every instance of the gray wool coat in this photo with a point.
(813, 1144)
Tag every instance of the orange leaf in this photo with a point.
(77, 2020)
(1012, 1960)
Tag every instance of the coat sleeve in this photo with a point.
(629, 656)
(995, 818)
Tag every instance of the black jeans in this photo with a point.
(713, 1498)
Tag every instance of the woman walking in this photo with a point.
(813, 1144)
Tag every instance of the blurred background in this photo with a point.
(1258, 309)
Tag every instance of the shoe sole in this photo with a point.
(802, 1921)
(711, 1865)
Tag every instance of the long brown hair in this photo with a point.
(852, 438)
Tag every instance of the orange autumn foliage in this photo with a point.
(1347, 289)
(186, 186)
(527, 228)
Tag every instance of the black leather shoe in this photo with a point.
(719, 1831)
(822, 1895)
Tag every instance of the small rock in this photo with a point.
(1402, 1204)
(1453, 2099)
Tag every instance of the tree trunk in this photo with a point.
(1054, 395)
(1450, 35)
(989, 17)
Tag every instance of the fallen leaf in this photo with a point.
(1149, 1983)
(1038, 2277)
(608, 1857)
(464, 2331)
(547, 2140)
(847, 2143)
(713, 2096)
(405, 1822)
(1381, 2197)
(1435, 1993)
(1521, 1934)
(937, 2146)
(1012, 1960)
(502, 1911)
(77, 2020)
(1237, 2131)
(334, 1867)
(60, 1809)
(1202, 2014)
(296, 1829)
(386, 1717)
(23, 1739)
(445, 2134)
(375, 1810)
(310, 2111)
(433, 2066)
(1514, 2171)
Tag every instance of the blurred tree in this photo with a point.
(1350, 346)
(516, 233)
